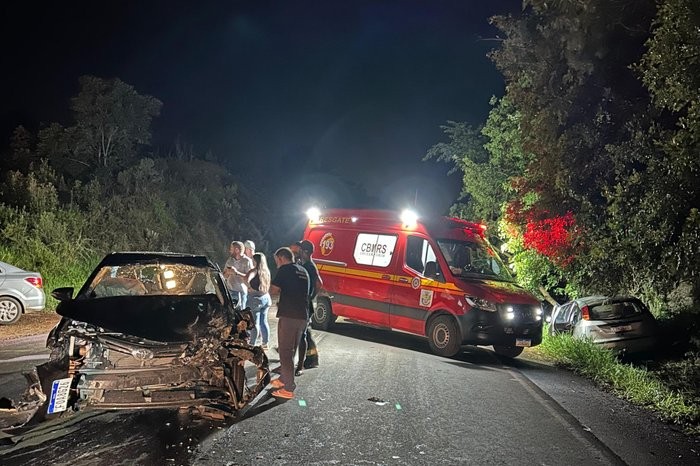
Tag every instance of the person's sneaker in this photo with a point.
(298, 372)
(265, 347)
(284, 394)
(277, 383)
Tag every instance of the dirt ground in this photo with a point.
(30, 324)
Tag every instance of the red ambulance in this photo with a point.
(438, 278)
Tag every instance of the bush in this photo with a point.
(49, 242)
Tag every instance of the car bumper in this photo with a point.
(31, 297)
(629, 345)
(35, 303)
(483, 328)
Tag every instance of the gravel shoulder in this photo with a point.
(35, 323)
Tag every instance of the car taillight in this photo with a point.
(585, 314)
(36, 281)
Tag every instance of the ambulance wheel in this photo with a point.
(444, 337)
(508, 351)
(323, 316)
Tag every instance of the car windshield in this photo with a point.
(615, 310)
(473, 259)
(140, 279)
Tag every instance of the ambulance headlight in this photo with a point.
(314, 214)
(409, 218)
(481, 303)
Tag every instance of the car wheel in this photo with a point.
(508, 351)
(10, 310)
(323, 317)
(444, 337)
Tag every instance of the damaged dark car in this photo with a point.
(150, 330)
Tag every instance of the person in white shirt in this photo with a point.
(235, 271)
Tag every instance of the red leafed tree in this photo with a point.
(553, 237)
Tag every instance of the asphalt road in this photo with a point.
(382, 398)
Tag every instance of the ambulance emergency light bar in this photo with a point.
(313, 213)
(408, 218)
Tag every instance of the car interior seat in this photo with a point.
(431, 269)
(198, 283)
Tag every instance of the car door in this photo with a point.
(561, 320)
(414, 292)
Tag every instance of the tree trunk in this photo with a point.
(547, 296)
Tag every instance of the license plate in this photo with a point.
(621, 328)
(523, 342)
(60, 390)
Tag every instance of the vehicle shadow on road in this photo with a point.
(470, 357)
(381, 336)
(112, 438)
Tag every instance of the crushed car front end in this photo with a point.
(150, 330)
(109, 370)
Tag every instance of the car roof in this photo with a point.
(588, 300)
(129, 257)
(10, 268)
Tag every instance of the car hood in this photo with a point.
(498, 291)
(158, 318)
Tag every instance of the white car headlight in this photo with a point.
(481, 303)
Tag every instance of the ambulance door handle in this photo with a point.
(386, 277)
(403, 280)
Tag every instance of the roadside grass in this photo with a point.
(671, 390)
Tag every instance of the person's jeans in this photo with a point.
(259, 305)
(241, 297)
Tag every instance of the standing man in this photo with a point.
(292, 284)
(308, 353)
(237, 266)
(249, 248)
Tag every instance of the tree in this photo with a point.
(670, 69)
(594, 169)
(568, 71)
(112, 120)
(21, 150)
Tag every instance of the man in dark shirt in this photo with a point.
(292, 284)
(308, 353)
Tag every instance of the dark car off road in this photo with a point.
(148, 330)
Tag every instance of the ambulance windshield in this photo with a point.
(473, 259)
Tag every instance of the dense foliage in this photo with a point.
(589, 162)
(70, 194)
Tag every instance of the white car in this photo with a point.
(20, 292)
(622, 324)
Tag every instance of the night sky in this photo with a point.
(304, 98)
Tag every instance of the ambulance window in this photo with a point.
(374, 249)
(420, 256)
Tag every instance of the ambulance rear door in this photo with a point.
(369, 278)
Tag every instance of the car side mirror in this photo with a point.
(63, 294)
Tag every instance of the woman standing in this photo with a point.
(258, 280)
